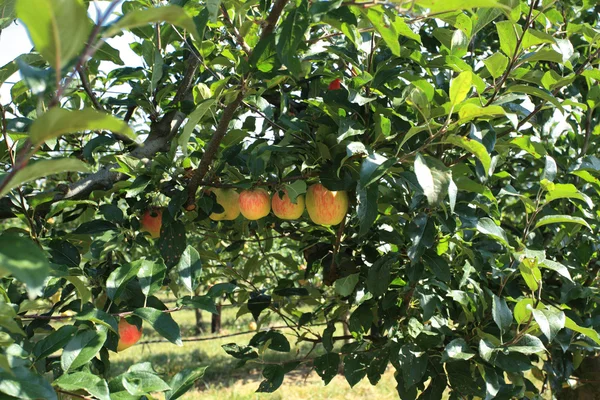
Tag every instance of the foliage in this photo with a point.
(464, 136)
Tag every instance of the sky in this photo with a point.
(14, 41)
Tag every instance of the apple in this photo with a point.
(284, 208)
(252, 326)
(324, 206)
(228, 199)
(255, 204)
(129, 335)
(151, 222)
(335, 84)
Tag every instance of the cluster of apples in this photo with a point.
(324, 207)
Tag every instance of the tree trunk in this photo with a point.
(589, 376)
(216, 321)
(199, 327)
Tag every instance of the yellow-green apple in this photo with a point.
(255, 204)
(252, 326)
(228, 199)
(129, 335)
(151, 222)
(324, 206)
(284, 208)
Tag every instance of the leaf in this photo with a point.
(567, 191)
(433, 177)
(24, 260)
(550, 321)
(496, 64)
(170, 14)
(413, 364)
(460, 87)
(183, 381)
(457, 349)
(54, 341)
(556, 267)
(213, 9)
(436, 6)
(294, 190)
(117, 280)
(355, 367)
(276, 340)
(474, 147)
(291, 36)
(345, 286)
(488, 227)
(534, 91)
(99, 317)
(438, 265)
(589, 332)
(366, 209)
(378, 278)
(205, 303)
(59, 121)
(471, 111)
(327, 366)
(507, 33)
(559, 219)
(528, 345)
(258, 304)
(151, 276)
(162, 323)
(95, 227)
(91, 383)
(140, 383)
(387, 32)
(192, 121)
(82, 348)
(21, 383)
(42, 169)
(373, 167)
(501, 313)
(189, 267)
(58, 29)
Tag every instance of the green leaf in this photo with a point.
(496, 64)
(59, 121)
(42, 169)
(387, 32)
(472, 111)
(458, 349)
(433, 177)
(82, 348)
(567, 191)
(24, 260)
(205, 303)
(140, 383)
(488, 227)
(507, 32)
(327, 366)
(277, 341)
(99, 317)
(550, 321)
(91, 383)
(345, 286)
(22, 383)
(556, 267)
(366, 209)
(378, 278)
(162, 323)
(474, 147)
(117, 280)
(151, 276)
(170, 14)
(295, 189)
(534, 91)
(183, 381)
(438, 265)
(373, 168)
(54, 341)
(192, 121)
(436, 6)
(559, 219)
(527, 345)
(501, 313)
(413, 364)
(59, 29)
(189, 267)
(355, 367)
(522, 310)
(589, 332)
(291, 36)
(460, 87)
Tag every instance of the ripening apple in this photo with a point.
(229, 200)
(284, 208)
(335, 84)
(324, 206)
(255, 204)
(252, 326)
(151, 222)
(129, 335)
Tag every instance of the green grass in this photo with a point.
(223, 381)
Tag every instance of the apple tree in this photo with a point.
(463, 136)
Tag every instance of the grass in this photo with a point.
(223, 381)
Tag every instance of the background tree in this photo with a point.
(464, 132)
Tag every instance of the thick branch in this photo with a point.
(211, 150)
(273, 17)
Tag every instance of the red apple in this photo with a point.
(324, 206)
(151, 222)
(129, 335)
(284, 208)
(229, 200)
(255, 204)
(335, 84)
